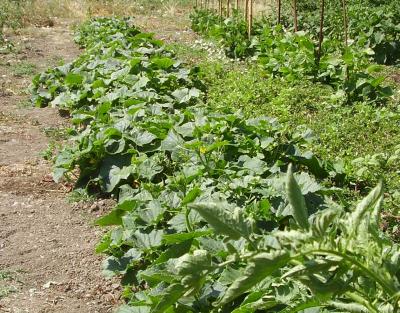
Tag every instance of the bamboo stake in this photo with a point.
(295, 14)
(321, 31)
(228, 5)
(247, 10)
(237, 5)
(250, 21)
(220, 10)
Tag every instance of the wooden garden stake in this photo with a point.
(247, 10)
(228, 7)
(250, 20)
(295, 14)
(279, 11)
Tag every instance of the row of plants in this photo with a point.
(347, 65)
(216, 212)
(10, 17)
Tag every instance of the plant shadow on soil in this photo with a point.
(47, 260)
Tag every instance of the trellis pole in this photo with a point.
(295, 15)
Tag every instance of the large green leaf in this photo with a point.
(133, 309)
(147, 241)
(115, 266)
(171, 295)
(224, 219)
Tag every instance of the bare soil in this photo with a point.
(47, 260)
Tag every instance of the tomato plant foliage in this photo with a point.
(216, 212)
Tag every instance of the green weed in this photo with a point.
(80, 195)
(24, 69)
(7, 277)
(56, 133)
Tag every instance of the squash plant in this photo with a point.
(207, 219)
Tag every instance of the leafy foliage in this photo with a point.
(207, 219)
(10, 16)
(293, 55)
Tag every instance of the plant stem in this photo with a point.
(187, 220)
(389, 289)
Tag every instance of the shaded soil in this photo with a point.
(47, 260)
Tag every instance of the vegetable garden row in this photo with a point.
(216, 212)
(339, 46)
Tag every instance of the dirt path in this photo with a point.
(46, 244)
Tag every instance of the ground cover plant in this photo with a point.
(216, 212)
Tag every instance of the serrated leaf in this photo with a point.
(259, 267)
(364, 206)
(224, 219)
(296, 200)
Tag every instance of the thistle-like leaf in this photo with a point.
(260, 266)
(369, 202)
(296, 200)
(227, 222)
